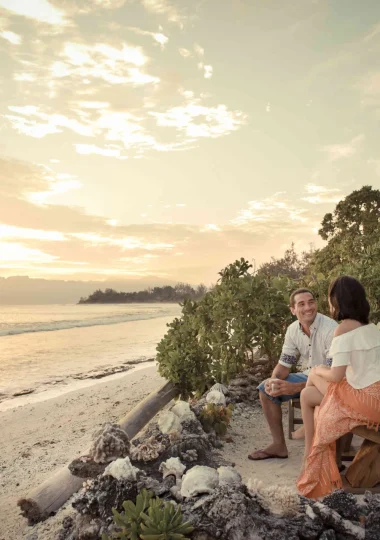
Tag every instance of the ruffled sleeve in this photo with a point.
(339, 353)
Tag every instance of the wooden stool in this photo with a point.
(292, 420)
(364, 472)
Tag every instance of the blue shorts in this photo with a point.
(292, 378)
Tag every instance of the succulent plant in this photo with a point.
(164, 521)
(149, 519)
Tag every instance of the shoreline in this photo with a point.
(35, 396)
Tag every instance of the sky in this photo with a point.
(163, 139)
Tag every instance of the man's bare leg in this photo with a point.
(273, 415)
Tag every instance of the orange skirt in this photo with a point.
(342, 409)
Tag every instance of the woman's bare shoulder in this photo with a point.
(346, 326)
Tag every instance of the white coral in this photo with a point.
(216, 397)
(169, 422)
(172, 466)
(121, 469)
(183, 411)
(279, 500)
(199, 479)
(228, 476)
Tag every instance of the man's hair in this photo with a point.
(292, 299)
(348, 300)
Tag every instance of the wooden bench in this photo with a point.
(364, 472)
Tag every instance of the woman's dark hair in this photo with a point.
(348, 299)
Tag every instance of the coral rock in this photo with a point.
(148, 450)
(198, 480)
(220, 388)
(228, 475)
(172, 466)
(183, 411)
(216, 397)
(109, 442)
(279, 500)
(122, 469)
(169, 422)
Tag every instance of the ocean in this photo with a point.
(48, 350)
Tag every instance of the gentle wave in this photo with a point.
(66, 325)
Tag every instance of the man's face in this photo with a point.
(305, 308)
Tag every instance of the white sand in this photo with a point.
(37, 439)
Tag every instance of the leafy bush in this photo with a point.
(163, 521)
(216, 338)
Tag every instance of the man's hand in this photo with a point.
(282, 388)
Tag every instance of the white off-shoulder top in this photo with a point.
(359, 350)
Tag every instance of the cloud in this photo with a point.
(373, 33)
(87, 149)
(341, 151)
(199, 51)
(158, 37)
(39, 10)
(322, 195)
(208, 71)
(197, 120)
(13, 38)
(184, 52)
(272, 214)
(163, 7)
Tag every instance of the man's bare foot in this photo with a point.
(299, 433)
(271, 451)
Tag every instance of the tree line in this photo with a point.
(178, 293)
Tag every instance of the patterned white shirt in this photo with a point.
(308, 351)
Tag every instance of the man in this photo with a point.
(308, 338)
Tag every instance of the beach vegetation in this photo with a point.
(244, 316)
(150, 518)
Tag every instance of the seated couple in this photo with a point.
(342, 380)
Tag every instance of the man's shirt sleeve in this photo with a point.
(290, 353)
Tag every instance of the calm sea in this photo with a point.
(51, 349)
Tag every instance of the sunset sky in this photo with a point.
(166, 138)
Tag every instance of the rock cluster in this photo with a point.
(179, 462)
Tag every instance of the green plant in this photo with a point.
(130, 521)
(164, 522)
(149, 519)
(216, 417)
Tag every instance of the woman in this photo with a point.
(348, 393)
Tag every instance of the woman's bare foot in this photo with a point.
(299, 433)
(270, 452)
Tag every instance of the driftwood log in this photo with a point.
(47, 498)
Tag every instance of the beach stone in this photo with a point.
(199, 479)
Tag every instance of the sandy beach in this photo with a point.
(37, 439)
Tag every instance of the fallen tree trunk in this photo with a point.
(47, 498)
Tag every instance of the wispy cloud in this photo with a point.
(13, 38)
(39, 10)
(163, 7)
(341, 151)
(158, 37)
(321, 194)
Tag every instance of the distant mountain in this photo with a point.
(25, 290)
